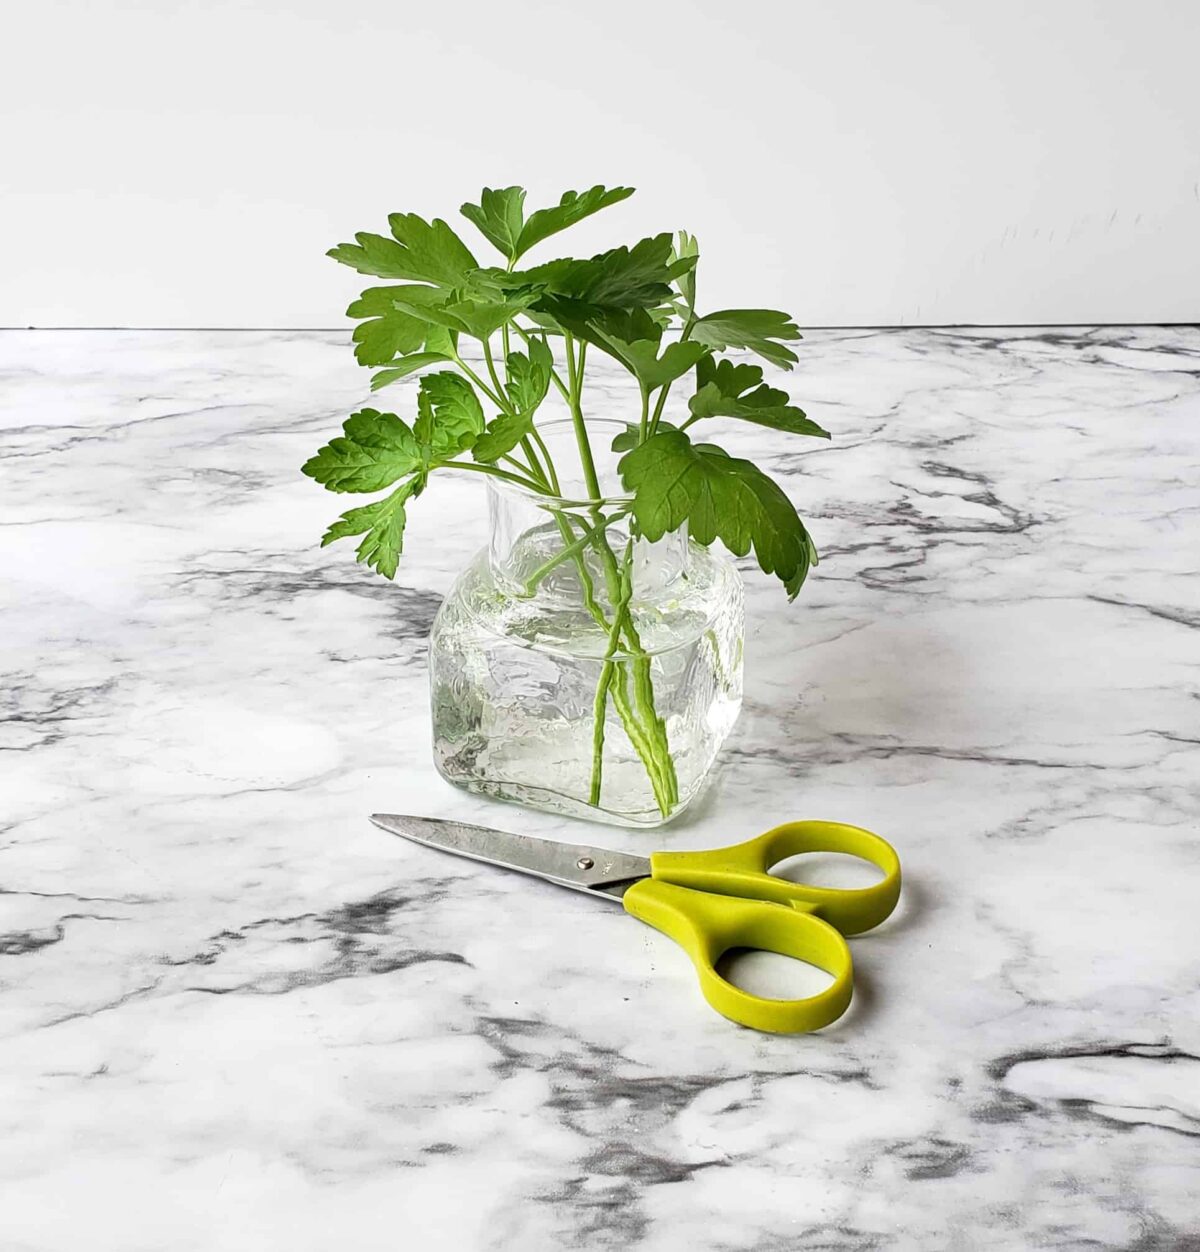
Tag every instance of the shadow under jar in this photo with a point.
(579, 668)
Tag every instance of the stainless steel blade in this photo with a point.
(578, 866)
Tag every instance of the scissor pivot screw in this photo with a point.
(585, 862)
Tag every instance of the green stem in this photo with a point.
(599, 704)
(643, 688)
(538, 469)
(568, 553)
(652, 742)
(495, 472)
(585, 579)
(548, 459)
(575, 381)
(546, 474)
(487, 391)
(658, 408)
(617, 685)
(491, 369)
(646, 729)
(662, 778)
(640, 719)
(534, 471)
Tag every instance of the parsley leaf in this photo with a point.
(440, 339)
(719, 497)
(374, 450)
(478, 318)
(449, 415)
(441, 345)
(379, 341)
(389, 329)
(573, 207)
(611, 330)
(501, 435)
(405, 366)
(756, 329)
(424, 251)
(435, 252)
(383, 524)
(377, 448)
(728, 390)
(373, 254)
(631, 436)
(633, 337)
(622, 278)
(499, 216)
(529, 376)
(653, 370)
(686, 282)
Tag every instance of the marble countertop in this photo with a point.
(234, 1015)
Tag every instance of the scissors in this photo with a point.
(710, 902)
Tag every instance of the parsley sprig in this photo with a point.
(534, 326)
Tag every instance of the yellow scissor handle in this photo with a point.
(742, 870)
(706, 926)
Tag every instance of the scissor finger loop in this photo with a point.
(707, 926)
(743, 870)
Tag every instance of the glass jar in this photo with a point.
(577, 667)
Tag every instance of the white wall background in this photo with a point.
(187, 162)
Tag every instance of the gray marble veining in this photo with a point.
(235, 1015)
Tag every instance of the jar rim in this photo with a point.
(547, 499)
